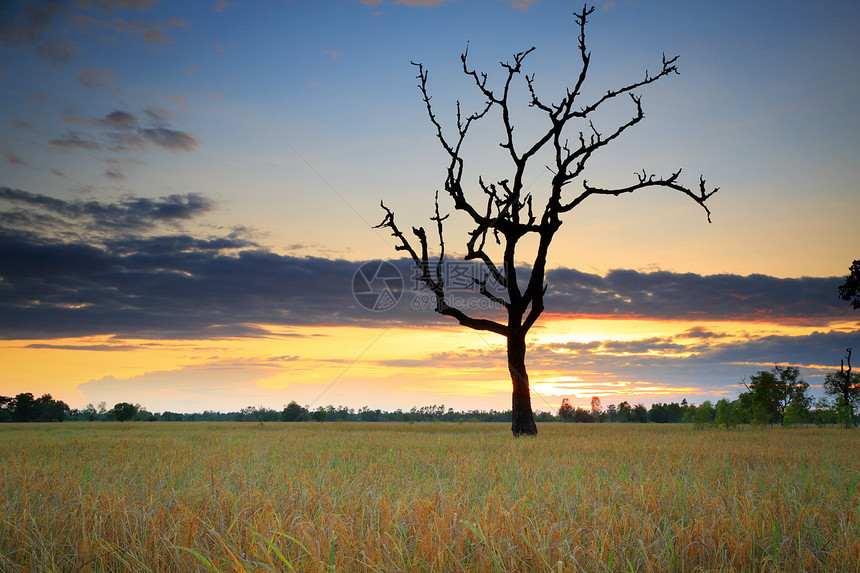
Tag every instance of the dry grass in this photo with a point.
(426, 497)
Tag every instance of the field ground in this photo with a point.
(426, 497)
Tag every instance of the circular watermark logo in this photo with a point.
(377, 285)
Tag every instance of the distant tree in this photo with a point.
(26, 408)
(612, 413)
(565, 411)
(704, 414)
(850, 289)
(596, 409)
(822, 413)
(23, 407)
(89, 413)
(675, 412)
(124, 411)
(666, 413)
(319, 415)
(583, 416)
(844, 384)
(144, 415)
(656, 413)
(794, 414)
(843, 412)
(625, 412)
(5, 409)
(368, 415)
(507, 213)
(770, 392)
(50, 410)
(639, 414)
(545, 417)
(793, 389)
(293, 412)
(725, 414)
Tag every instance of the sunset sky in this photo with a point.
(187, 190)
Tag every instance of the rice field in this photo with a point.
(426, 497)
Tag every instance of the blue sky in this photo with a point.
(232, 133)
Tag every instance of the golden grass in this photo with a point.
(426, 497)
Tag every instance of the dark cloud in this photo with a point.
(13, 158)
(119, 119)
(97, 79)
(115, 173)
(130, 278)
(129, 214)
(170, 139)
(158, 115)
(698, 332)
(74, 140)
(151, 32)
(161, 285)
(111, 5)
(121, 131)
(666, 295)
(178, 283)
(223, 5)
(42, 25)
(73, 120)
(124, 142)
(38, 97)
(58, 52)
(90, 347)
(30, 24)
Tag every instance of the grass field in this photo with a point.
(426, 497)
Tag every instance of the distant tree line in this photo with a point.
(778, 396)
(27, 408)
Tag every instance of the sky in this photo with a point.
(188, 192)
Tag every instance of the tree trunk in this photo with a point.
(523, 421)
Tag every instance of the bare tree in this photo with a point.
(845, 385)
(507, 213)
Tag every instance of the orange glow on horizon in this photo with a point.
(374, 365)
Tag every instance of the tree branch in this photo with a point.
(435, 285)
(646, 180)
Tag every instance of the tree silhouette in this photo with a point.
(845, 385)
(850, 289)
(507, 213)
(124, 411)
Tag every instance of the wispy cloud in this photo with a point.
(421, 3)
(43, 26)
(31, 25)
(122, 131)
(97, 79)
(222, 5)
(170, 139)
(13, 158)
(74, 140)
(111, 5)
(521, 4)
(152, 32)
